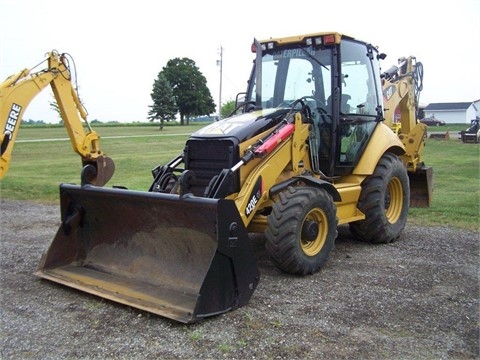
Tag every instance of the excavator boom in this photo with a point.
(16, 93)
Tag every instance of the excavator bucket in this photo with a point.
(421, 187)
(184, 258)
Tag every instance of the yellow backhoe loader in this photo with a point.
(16, 93)
(305, 151)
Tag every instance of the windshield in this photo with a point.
(292, 73)
(360, 89)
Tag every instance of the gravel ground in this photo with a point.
(417, 298)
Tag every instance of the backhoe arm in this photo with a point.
(401, 88)
(16, 94)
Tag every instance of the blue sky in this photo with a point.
(119, 47)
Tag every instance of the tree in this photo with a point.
(164, 107)
(227, 108)
(190, 91)
(54, 106)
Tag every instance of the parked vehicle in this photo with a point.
(432, 121)
(472, 134)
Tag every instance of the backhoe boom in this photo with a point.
(16, 93)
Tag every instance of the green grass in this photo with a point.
(37, 168)
(456, 194)
(452, 128)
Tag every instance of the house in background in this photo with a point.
(453, 113)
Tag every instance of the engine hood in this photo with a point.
(242, 127)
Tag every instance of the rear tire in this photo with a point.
(385, 200)
(301, 231)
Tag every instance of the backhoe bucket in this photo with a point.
(184, 258)
(421, 187)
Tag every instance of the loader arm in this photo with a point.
(18, 91)
(255, 190)
(280, 165)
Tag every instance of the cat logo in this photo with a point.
(389, 91)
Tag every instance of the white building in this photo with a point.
(454, 113)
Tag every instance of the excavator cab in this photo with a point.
(344, 97)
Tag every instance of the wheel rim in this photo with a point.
(394, 200)
(314, 232)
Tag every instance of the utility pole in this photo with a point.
(220, 63)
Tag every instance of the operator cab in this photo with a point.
(336, 77)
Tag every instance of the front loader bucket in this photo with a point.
(184, 258)
(421, 187)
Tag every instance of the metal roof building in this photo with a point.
(454, 113)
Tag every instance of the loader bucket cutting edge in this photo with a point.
(182, 258)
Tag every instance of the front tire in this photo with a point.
(385, 200)
(301, 231)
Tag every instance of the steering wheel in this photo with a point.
(321, 107)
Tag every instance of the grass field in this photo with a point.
(37, 167)
(456, 194)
